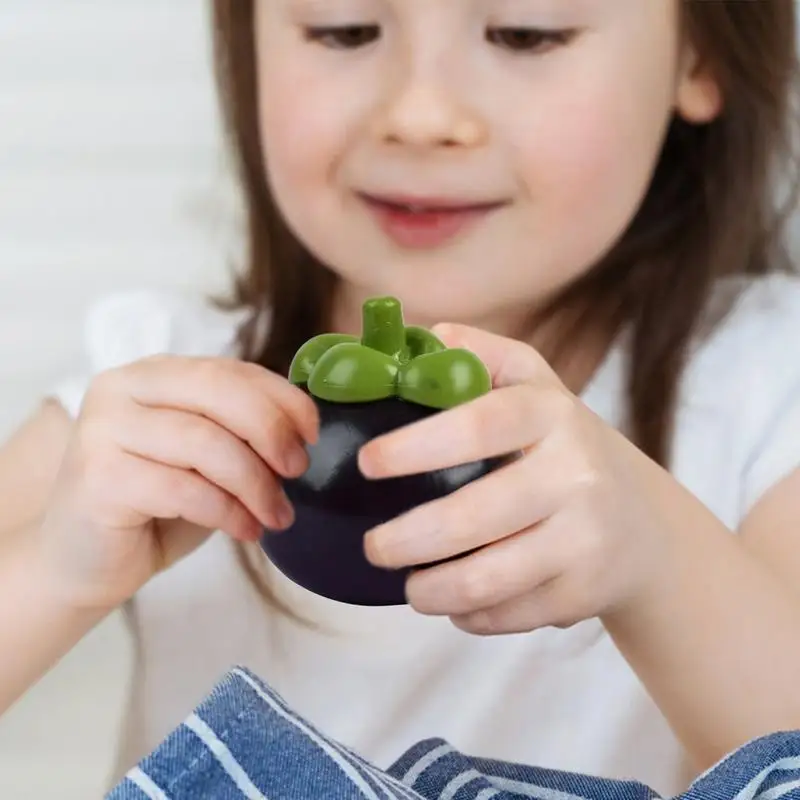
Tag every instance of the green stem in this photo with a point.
(383, 327)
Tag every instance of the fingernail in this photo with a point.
(369, 465)
(284, 515)
(383, 549)
(372, 549)
(296, 461)
(444, 330)
(364, 463)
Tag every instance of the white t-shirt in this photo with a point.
(381, 679)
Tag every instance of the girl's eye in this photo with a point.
(527, 40)
(344, 37)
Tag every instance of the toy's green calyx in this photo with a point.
(389, 360)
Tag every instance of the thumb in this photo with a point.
(509, 361)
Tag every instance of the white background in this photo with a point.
(109, 177)
(109, 169)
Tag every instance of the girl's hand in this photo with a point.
(165, 451)
(572, 529)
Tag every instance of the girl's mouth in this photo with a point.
(419, 223)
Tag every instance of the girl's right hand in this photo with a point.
(165, 451)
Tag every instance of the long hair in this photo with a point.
(714, 208)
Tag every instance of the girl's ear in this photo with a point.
(699, 97)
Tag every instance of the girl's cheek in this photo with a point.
(598, 141)
(308, 119)
(598, 115)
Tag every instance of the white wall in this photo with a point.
(108, 166)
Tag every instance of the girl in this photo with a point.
(584, 192)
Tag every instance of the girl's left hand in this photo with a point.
(575, 528)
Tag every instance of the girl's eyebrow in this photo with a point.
(313, 7)
(571, 7)
(294, 8)
(298, 5)
(308, 5)
(555, 9)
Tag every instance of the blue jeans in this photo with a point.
(245, 742)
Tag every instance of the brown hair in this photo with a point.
(712, 209)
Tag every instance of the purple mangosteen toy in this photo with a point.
(392, 376)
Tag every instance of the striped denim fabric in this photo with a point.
(245, 742)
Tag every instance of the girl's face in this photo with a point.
(471, 157)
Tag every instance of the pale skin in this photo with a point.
(160, 456)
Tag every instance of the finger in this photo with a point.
(163, 492)
(514, 497)
(191, 442)
(510, 362)
(542, 608)
(257, 406)
(493, 575)
(499, 423)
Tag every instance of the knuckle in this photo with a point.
(565, 622)
(92, 469)
(93, 431)
(276, 432)
(475, 587)
(200, 435)
(97, 471)
(184, 492)
(258, 409)
(273, 422)
(562, 407)
(228, 510)
(444, 518)
(560, 614)
(518, 412)
(107, 383)
(587, 478)
(529, 395)
(211, 371)
(119, 380)
(482, 623)
(577, 464)
(480, 425)
(252, 371)
(570, 605)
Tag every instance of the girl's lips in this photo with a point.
(425, 223)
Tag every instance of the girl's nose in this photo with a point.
(423, 115)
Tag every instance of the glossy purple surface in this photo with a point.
(335, 505)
